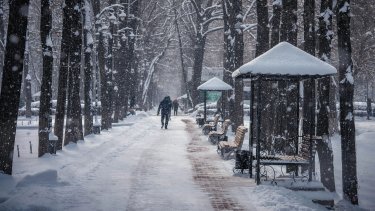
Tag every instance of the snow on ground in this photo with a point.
(138, 166)
(365, 146)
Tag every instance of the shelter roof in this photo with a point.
(285, 60)
(215, 84)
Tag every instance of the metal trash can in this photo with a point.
(96, 127)
(242, 160)
(52, 141)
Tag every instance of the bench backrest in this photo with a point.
(240, 135)
(225, 126)
(216, 119)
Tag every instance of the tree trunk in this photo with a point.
(349, 157)
(275, 22)
(104, 97)
(12, 79)
(262, 28)
(308, 98)
(324, 148)
(184, 85)
(45, 113)
(132, 55)
(27, 81)
(266, 86)
(289, 22)
(287, 109)
(63, 79)
(199, 48)
(88, 68)
(233, 57)
(2, 39)
(73, 126)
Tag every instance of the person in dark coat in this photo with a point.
(175, 107)
(165, 107)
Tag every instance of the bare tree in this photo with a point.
(12, 79)
(204, 13)
(2, 39)
(156, 36)
(63, 78)
(347, 126)
(88, 41)
(27, 80)
(73, 131)
(275, 22)
(45, 113)
(324, 148)
(233, 55)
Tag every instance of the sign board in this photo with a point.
(208, 73)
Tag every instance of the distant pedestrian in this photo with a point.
(175, 106)
(165, 107)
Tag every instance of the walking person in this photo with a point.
(165, 107)
(175, 107)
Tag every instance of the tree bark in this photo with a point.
(233, 57)
(2, 39)
(199, 48)
(88, 68)
(63, 79)
(275, 22)
(308, 97)
(288, 93)
(12, 79)
(262, 28)
(73, 131)
(184, 86)
(348, 149)
(324, 147)
(27, 81)
(289, 22)
(45, 113)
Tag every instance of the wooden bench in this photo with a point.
(211, 125)
(226, 149)
(215, 136)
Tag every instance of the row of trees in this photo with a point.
(113, 48)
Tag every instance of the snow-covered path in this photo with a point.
(136, 166)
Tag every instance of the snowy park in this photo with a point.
(187, 105)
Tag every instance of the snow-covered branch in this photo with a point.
(212, 30)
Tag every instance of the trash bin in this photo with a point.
(242, 160)
(52, 141)
(96, 127)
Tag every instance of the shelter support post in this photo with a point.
(251, 129)
(259, 101)
(205, 106)
(311, 130)
(296, 142)
(223, 98)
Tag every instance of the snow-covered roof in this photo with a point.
(215, 84)
(285, 59)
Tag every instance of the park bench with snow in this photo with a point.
(226, 149)
(211, 126)
(216, 136)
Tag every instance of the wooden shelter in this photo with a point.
(284, 62)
